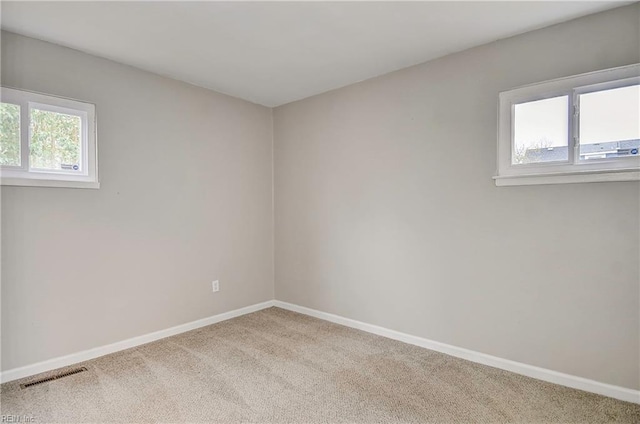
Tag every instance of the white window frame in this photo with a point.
(573, 170)
(25, 175)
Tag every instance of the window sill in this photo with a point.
(32, 182)
(592, 177)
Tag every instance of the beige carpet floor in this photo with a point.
(276, 366)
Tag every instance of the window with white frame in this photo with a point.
(47, 141)
(584, 128)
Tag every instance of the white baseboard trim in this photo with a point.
(74, 358)
(551, 376)
(543, 374)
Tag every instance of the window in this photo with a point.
(584, 128)
(47, 141)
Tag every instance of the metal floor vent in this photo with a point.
(53, 377)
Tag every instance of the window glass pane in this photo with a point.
(541, 131)
(55, 141)
(610, 123)
(9, 134)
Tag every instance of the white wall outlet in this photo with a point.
(215, 286)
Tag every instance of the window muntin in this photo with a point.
(540, 167)
(57, 141)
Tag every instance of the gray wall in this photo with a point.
(186, 198)
(386, 211)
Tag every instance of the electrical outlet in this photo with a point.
(215, 286)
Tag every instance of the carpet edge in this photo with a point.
(85, 355)
(544, 374)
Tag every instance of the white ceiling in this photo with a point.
(275, 53)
